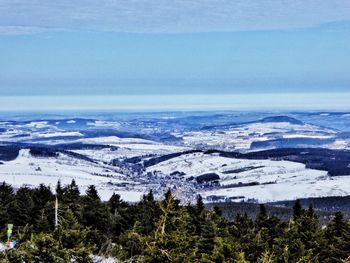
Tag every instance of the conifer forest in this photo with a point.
(159, 231)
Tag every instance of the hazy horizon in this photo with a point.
(201, 102)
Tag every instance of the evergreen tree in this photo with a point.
(72, 236)
(42, 195)
(115, 203)
(92, 194)
(59, 190)
(117, 210)
(45, 248)
(303, 238)
(217, 211)
(71, 198)
(261, 217)
(207, 236)
(199, 205)
(297, 209)
(41, 222)
(6, 199)
(148, 213)
(225, 250)
(94, 213)
(42, 212)
(338, 240)
(20, 210)
(171, 241)
(71, 193)
(6, 193)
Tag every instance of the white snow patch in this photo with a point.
(98, 259)
(38, 124)
(104, 124)
(57, 134)
(32, 171)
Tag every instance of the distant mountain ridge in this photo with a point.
(269, 119)
(281, 118)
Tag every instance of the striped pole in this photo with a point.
(9, 234)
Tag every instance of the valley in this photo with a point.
(226, 157)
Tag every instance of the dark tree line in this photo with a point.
(160, 231)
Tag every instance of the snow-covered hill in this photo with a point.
(111, 151)
(262, 180)
(243, 136)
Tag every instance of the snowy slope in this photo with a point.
(262, 180)
(32, 171)
(287, 190)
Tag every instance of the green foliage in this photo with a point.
(338, 240)
(160, 231)
(6, 198)
(41, 248)
(22, 207)
(170, 240)
(302, 239)
(297, 209)
(267, 257)
(241, 258)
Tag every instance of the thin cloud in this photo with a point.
(160, 16)
(25, 30)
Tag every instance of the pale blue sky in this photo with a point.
(159, 48)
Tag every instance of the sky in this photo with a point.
(198, 54)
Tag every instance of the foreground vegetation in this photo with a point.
(164, 231)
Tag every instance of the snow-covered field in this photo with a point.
(275, 180)
(32, 171)
(287, 190)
